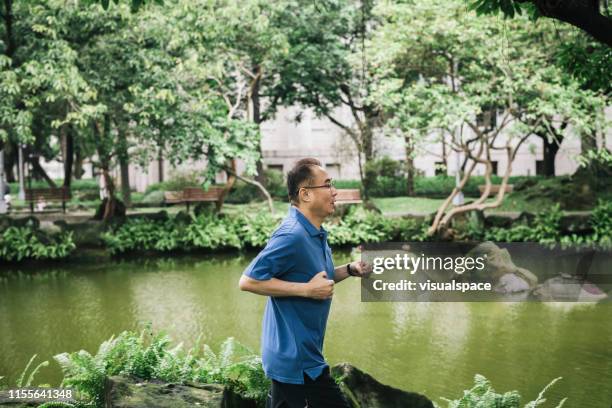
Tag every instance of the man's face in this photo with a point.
(322, 199)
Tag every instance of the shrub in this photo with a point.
(27, 242)
(482, 395)
(149, 356)
(204, 231)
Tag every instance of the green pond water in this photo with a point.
(430, 348)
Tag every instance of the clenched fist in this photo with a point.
(319, 287)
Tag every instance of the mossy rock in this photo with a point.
(363, 391)
(124, 392)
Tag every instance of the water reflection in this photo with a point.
(432, 348)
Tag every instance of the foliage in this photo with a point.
(359, 226)
(176, 183)
(150, 356)
(546, 229)
(204, 231)
(24, 383)
(482, 395)
(242, 193)
(20, 243)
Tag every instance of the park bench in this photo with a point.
(44, 195)
(495, 188)
(193, 195)
(348, 196)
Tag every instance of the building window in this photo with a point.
(539, 167)
(333, 169)
(494, 165)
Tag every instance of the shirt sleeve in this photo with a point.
(277, 258)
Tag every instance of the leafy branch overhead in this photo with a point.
(591, 16)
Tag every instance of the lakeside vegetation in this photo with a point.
(147, 356)
(240, 230)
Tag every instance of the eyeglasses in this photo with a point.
(330, 185)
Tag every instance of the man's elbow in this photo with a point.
(245, 283)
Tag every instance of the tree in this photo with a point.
(486, 85)
(41, 89)
(591, 16)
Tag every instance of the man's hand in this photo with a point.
(319, 287)
(363, 270)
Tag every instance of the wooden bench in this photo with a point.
(193, 195)
(36, 195)
(495, 188)
(348, 196)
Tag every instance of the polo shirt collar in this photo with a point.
(311, 229)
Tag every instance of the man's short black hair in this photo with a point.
(301, 171)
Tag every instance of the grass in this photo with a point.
(407, 205)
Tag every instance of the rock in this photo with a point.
(123, 392)
(499, 264)
(568, 288)
(511, 283)
(50, 228)
(363, 391)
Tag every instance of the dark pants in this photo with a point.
(320, 393)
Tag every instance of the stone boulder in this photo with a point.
(123, 392)
(500, 269)
(363, 391)
(565, 288)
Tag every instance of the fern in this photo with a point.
(20, 383)
(482, 395)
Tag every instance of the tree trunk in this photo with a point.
(551, 147)
(67, 142)
(231, 179)
(10, 158)
(255, 103)
(160, 164)
(124, 166)
(368, 153)
(78, 162)
(409, 166)
(40, 173)
(102, 132)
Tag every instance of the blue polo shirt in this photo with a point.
(293, 327)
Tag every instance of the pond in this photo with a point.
(431, 348)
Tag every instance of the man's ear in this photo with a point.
(304, 195)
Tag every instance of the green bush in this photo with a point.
(150, 356)
(204, 231)
(27, 242)
(546, 229)
(482, 395)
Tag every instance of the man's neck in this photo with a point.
(314, 220)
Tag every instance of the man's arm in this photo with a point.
(319, 287)
(360, 268)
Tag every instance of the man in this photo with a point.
(296, 271)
